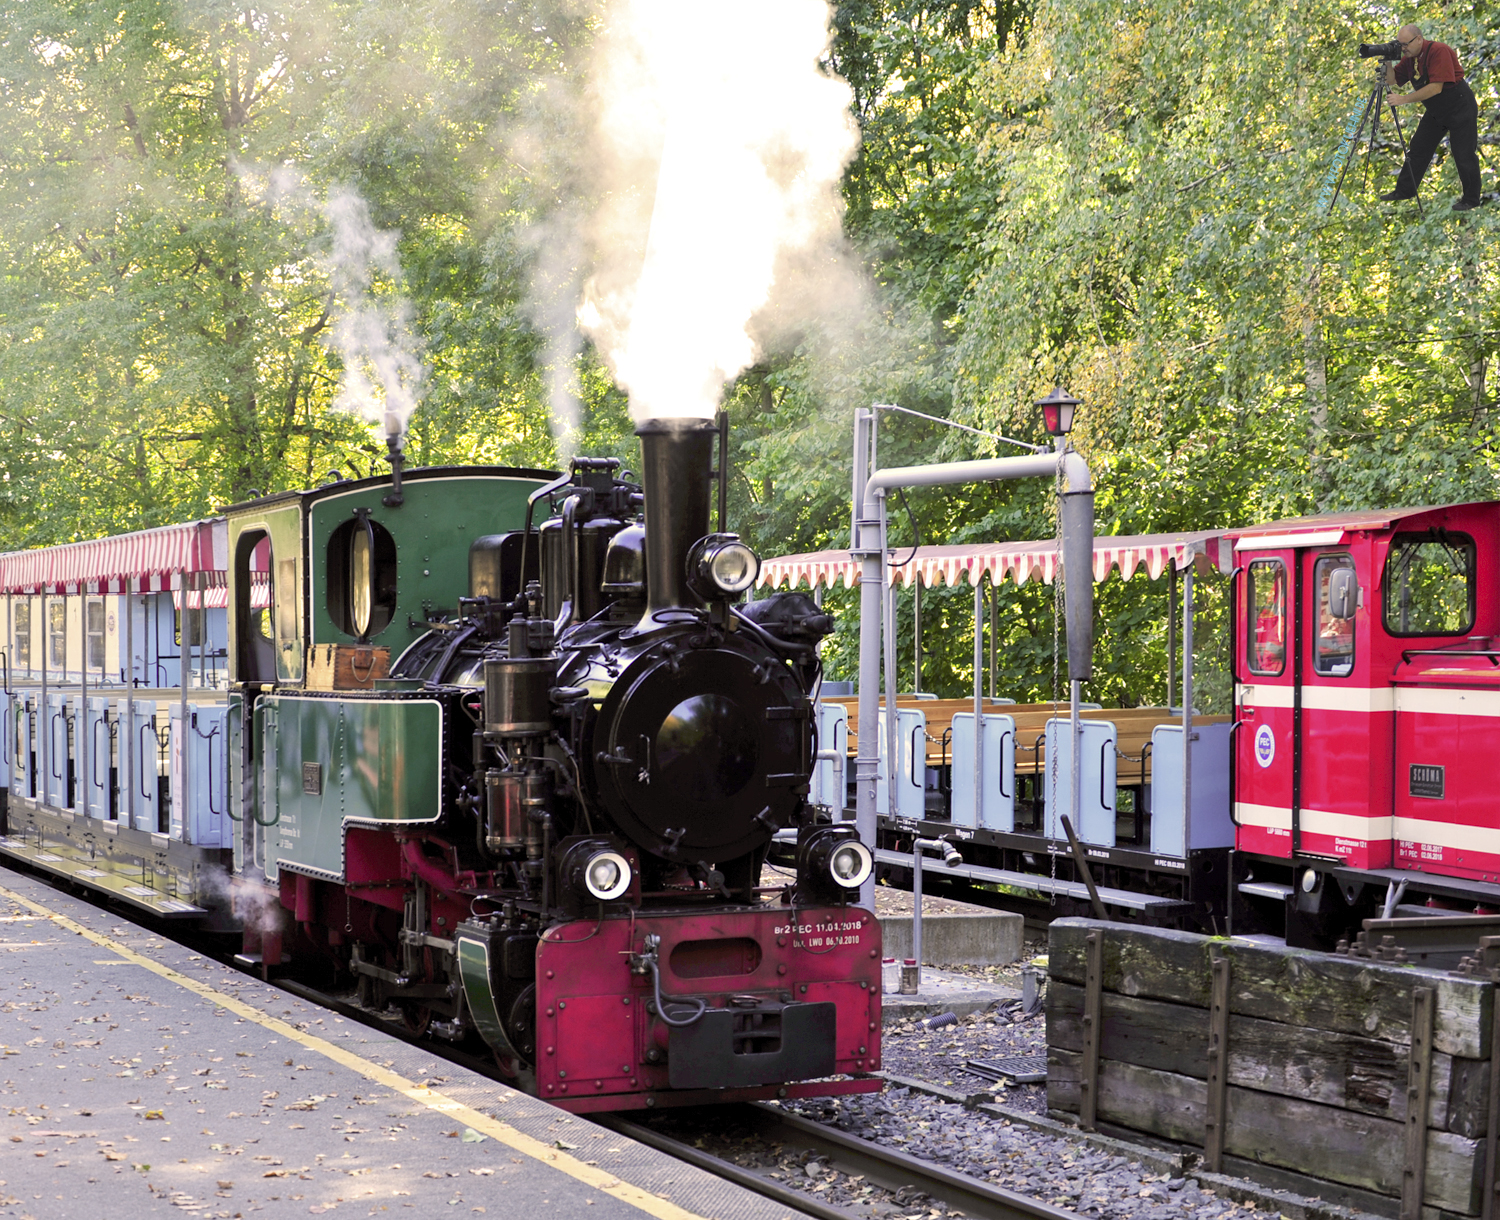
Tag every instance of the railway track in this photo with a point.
(877, 1165)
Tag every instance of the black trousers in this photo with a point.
(1453, 113)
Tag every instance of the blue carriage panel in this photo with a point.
(911, 764)
(7, 738)
(828, 786)
(996, 807)
(1097, 778)
(144, 747)
(95, 779)
(1209, 826)
(199, 808)
(24, 709)
(57, 713)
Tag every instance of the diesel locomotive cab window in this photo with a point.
(361, 577)
(1266, 645)
(1333, 645)
(1429, 584)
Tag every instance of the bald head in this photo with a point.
(1409, 33)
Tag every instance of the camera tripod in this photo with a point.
(1369, 113)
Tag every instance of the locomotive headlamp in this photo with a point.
(850, 864)
(721, 565)
(593, 870)
(606, 876)
(1057, 411)
(831, 864)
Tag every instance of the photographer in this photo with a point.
(1449, 108)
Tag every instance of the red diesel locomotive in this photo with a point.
(1349, 776)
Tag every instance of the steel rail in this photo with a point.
(878, 1165)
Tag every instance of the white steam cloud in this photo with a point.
(383, 374)
(722, 140)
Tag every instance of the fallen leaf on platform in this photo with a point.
(471, 1136)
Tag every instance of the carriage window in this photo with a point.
(23, 633)
(94, 628)
(57, 631)
(1333, 646)
(1428, 587)
(1267, 626)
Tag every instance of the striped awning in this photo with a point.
(1017, 561)
(156, 559)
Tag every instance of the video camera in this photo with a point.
(1380, 50)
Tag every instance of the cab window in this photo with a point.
(1266, 642)
(1428, 586)
(1333, 644)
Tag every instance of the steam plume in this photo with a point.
(723, 140)
(382, 372)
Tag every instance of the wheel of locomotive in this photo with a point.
(520, 1027)
(415, 1015)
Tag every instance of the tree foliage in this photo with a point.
(1126, 197)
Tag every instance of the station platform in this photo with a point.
(140, 1079)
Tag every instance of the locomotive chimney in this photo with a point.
(676, 473)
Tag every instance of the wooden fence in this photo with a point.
(1363, 1082)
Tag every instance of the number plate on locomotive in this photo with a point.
(1426, 780)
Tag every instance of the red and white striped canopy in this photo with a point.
(1019, 561)
(155, 559)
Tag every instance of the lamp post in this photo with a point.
(1076, 561)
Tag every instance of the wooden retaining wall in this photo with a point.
(1364, 1082)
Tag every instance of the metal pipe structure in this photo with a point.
(978, 696)
(1076, 510)
(43, 719)
(83, 736)
(864, 545)
(1187, 708)
(916, 635)
(128, 782)
(951, 859)
(184, 672)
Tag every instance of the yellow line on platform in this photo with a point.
(503, 1133)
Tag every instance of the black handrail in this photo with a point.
(1489, 654)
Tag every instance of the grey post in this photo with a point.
(1076, 508)
(864, 545)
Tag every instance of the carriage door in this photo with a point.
(1265, 670)
(1343, 811)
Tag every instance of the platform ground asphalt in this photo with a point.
(140, 1079)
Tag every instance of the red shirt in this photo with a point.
(1434, 62)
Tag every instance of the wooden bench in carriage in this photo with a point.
(1156, 854)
